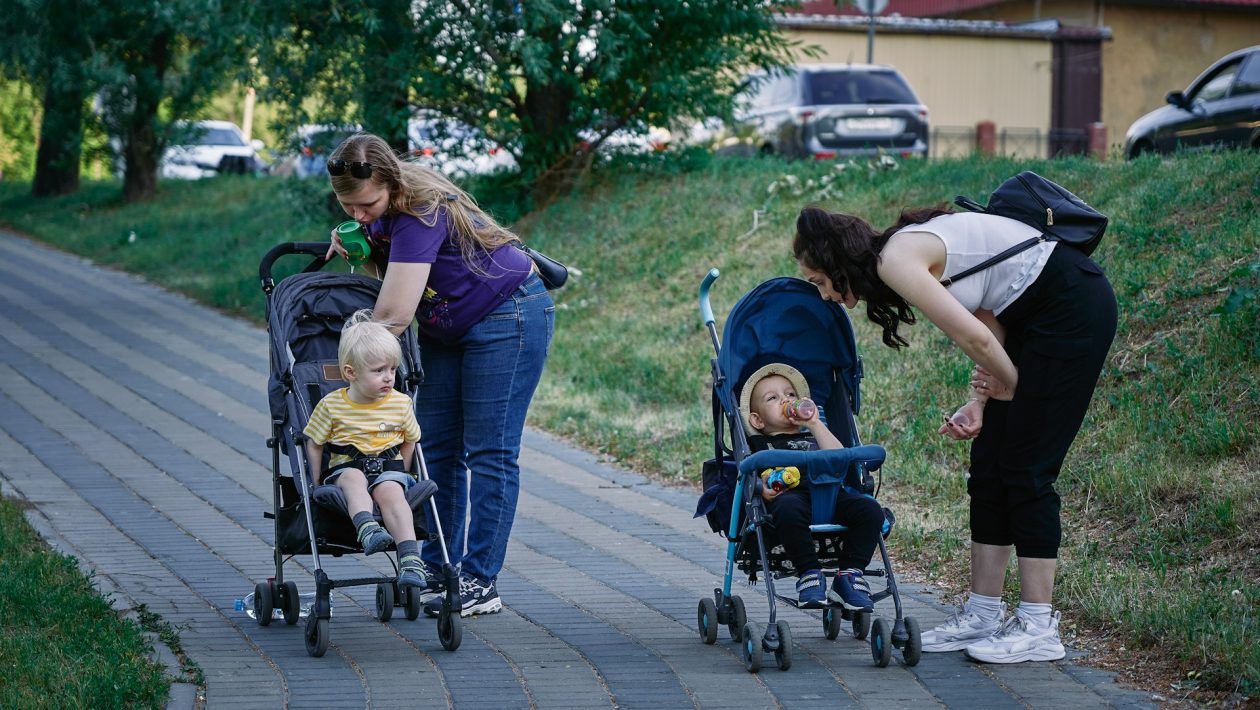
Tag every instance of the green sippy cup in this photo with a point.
(354, 239)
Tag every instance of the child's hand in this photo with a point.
(767, 493)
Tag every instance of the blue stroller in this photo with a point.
(305, 313)
(784, 318)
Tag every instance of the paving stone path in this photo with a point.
(133, 421)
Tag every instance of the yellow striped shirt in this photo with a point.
(371, 428)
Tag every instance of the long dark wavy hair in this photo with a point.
(847, 249)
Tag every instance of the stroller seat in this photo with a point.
(334, 514)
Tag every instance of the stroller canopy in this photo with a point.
(784, 320)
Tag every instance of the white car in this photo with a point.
(454, 148)
(209, 148)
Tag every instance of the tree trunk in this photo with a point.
(141, 146)
(548, 153)
(141, 154)
(60, 137)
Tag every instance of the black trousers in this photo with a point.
(791, 514)
(1057, 334)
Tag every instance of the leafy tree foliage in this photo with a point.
(549, 80)
(553, 79)
(158, 62)
(341, 62)
(48, 47)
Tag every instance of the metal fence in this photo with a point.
(960, 141)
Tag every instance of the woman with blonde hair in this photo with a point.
(485, 325)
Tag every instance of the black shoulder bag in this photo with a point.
(1043, 205)
(554, 274)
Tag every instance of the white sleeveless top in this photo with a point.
(970, 238)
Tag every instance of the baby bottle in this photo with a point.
(354, 239)
(800, 409)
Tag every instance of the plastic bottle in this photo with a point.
(354, 239)
(781, 479)
(800, 409)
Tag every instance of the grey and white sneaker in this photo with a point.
(476, 598)
(1019, 640)
(960, 630)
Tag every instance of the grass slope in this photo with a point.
(1159, 491)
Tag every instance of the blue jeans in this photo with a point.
(471, 409)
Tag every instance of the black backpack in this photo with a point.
(1043, 205)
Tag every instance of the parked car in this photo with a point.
(314, 143)
(455, 148)
(209, 148)
(828, 111)
(1221, 108)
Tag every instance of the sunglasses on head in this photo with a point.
(359, 169)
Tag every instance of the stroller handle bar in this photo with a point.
(706, 310)
(315, 249)
(829, 459)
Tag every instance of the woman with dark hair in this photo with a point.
(1037, 326)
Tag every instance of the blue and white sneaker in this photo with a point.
(809, 590)
(850, 589)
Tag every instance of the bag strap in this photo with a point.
(719, 431)
(1022, 246)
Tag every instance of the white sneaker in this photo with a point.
(960, 630)
(1019, 640)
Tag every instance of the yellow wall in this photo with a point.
(961, 79)
(1152, 50)
(1160, 50)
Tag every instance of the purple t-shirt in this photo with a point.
(455, 298)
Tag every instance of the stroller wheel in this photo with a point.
(881, 642)
(831, 623)
(292, 602)
(913, 649)
(706, 620)
(385, 601)
(750, 646)
(262, 603)
(736, 617)
(450, 628)
(316, 636)
(413, 603)
(783, 656)
(861, 625)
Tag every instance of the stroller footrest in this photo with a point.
(831, 528)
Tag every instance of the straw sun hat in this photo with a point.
(775, 368)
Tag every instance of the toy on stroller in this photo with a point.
(305, 313)
(784, 319)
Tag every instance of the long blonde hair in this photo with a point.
(420, 191)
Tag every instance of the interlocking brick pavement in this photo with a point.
(134, 422)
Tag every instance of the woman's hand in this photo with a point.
(335, 247)
(965, 423)
(986, 385)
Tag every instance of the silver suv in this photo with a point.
(828, 111)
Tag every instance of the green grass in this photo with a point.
(1159, 491)
(61, 645)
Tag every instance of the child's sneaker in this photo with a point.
(411, 577)
(850, 589)
(960, 630)
(809, 590)
(1020, 640)
(376, 539)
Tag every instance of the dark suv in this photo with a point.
(1220, 109)
(826, 111)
